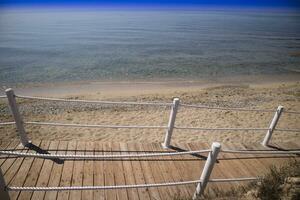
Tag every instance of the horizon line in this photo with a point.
(148, 6)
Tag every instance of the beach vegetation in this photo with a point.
(279, 183)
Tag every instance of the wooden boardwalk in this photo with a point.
(47, 172)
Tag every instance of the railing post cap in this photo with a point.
(280, 107)
(8, 90)
(216, 145)
(176, 99)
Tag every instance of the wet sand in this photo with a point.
(139, 87)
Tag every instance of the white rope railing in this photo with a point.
(292, 112)
(259, 151)
(80, 156)
(95, 101)
(171, 125)
(287, 130)
(147, 127)
(94, 125)
(111, 187)
(7, 123)
(145, 103)
(221, 129)
(222, 180)
(101, 187)
(225, 108)
(3, 97)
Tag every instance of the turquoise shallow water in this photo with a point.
(41, 46)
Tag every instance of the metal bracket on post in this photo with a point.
(208, 167)
(171, 123)
(16, 114)
(272, 126)
(3, 192)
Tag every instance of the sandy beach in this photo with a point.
(149, 100)
(260, 95)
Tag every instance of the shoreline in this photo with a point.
(140, 87)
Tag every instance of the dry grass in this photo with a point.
(270, 186)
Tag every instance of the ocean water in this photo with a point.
(41, 46)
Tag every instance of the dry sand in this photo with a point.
(262, 96)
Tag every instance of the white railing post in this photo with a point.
(272, 126)
(171, 123)
(208, 167)
(16, 114)
(3, 192)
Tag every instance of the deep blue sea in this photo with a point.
(44, 45)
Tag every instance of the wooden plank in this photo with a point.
(67, 172)
(185, 164)
(234, 166)
(34, 173)
(163, 167)
(129, 174)
(268, 160)
(243, 162)
(56, 171)
(254, 165)
(293, 145)
(20, 175)
(78, 172)
(109, 178)
(192, 165)
(8, 161)
(138, 175)
(5, 146)
(88, 172)
(276, 160)
(99, 172)
(6, 143)
(119, 173)
(45, 174)
(149, 177)
(171, 173)
(156, 166)
(178, 175)
(165, 192)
